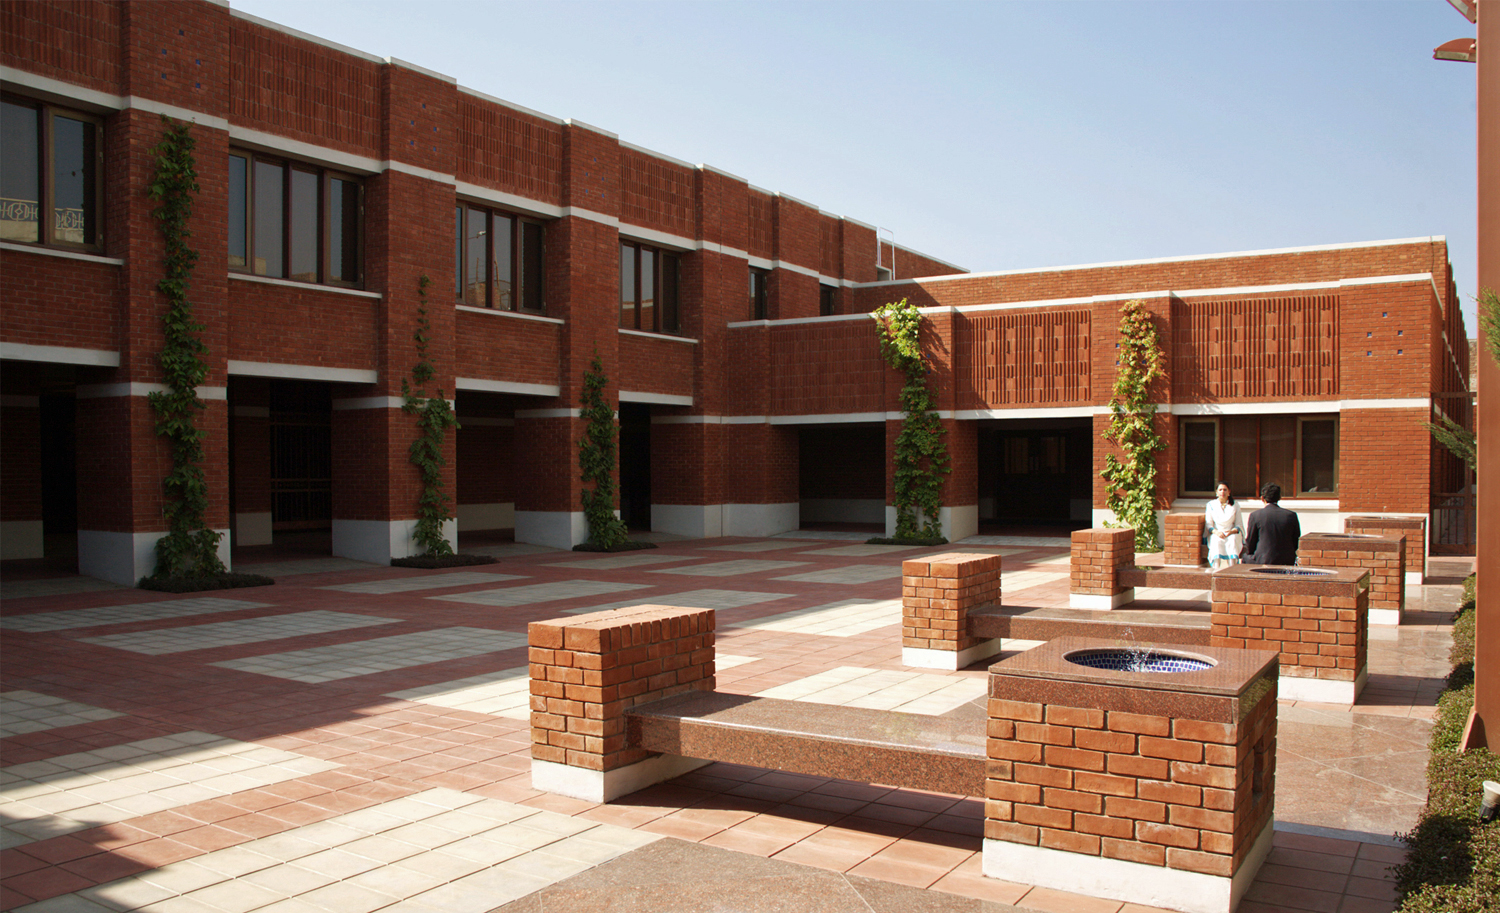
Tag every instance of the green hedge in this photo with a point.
(1453, 861)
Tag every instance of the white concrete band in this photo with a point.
(950, 660)
(607, 785)
(1321, 691)
(1101, 603)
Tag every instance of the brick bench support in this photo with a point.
(1098, 558)
(1154, 788)
(937, 595)
(1413, 528)
(1383, 556)
(1318, 623)
(1184, 545)
(587, 671)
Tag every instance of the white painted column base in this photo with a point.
(696, 521)
(20, 539)
(552, 528)
(125, 558)
(1100, 603)
(950, 660)
(1385, 616)
(760, 519)
(608, 785)
(252, 528)
(378, 541)
(496, 515)
(956, 523)
(1321, 690)
(1414, 578)
(1117, 879)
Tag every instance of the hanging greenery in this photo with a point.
(921, 449)
(189, 549)
(434, 417)
(1489, 322)
(596, 462)
(1132, 480)
(1460, 441)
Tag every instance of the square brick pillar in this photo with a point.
(1184, 540)
(1098, 557)
(1383, 556)
(1316, 618)
(587, 670)
(1151, 787)
(937, 593)
(1413, 528)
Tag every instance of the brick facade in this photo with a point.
(937, 593)
(1184, 540)
(1384, 558)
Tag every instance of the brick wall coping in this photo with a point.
(1245, 578)
(1054, 622)
(1043, 675)
(1350, 542)
(1371, 521)
(1177, 578)
(915, 751)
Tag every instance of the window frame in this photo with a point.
(760, 293)
(322, 208)
(1291, 488)
(520, 278)
(47, 185)
(828, 299)
(663, 260)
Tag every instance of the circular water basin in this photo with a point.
(1120, 659)
(1278, 571)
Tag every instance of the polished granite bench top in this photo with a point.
(1049, 623)
(1171, 577)
(941, 753)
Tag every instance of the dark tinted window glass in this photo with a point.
(1278, 446)
(458, 252)
(343, 230)
(533, 272)
(476, 257)
(1319, 456)
(504, 275)
(668, 296)
(73, 180)
(627, 286)
(238, 211)
(20, 173)
(827, 303)
(1240, 452)
(1198, 456)
(648, 289)
(269, 220)
(304, 239)
(757, 294)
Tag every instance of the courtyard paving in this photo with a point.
(355, 738)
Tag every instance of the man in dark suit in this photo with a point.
(1272, 532)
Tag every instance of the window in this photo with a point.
(828, 302)
(50, 164)
(649, 280)
(498, 260)
(288, 220)
(759, 279)
(1299, 453)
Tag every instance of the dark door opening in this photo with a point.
(301, 456)
(59, 472)
(1037, 472)
(635, 465)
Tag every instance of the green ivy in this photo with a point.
(921, 449)
(1489, 322)
(1460, 441)
(1132, 481)
(596, 461)
(190, 548)
(434, 418)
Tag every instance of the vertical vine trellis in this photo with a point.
(434, 417)
(1131, 491)
(597, 451)
(190, 548)
(921, 459)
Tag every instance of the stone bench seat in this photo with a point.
(1052, 623)
(1172, 578)
(910, 750)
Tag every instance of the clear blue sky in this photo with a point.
(1001, 135)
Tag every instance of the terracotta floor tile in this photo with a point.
(47, 883)
(899, 871)
(159, 852)
(58, 850)
(1050, 900)
(673, 826)
(1296, 897)
(823, 857)
(104, 867)
(1373, 888)
(747, 842)
(15, 862)
(967, 879)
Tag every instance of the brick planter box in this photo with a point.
(1098, 557)
(1414, 529)
(937, 594)
(1184, 545)
(1316, 618)
(1155, 788)
(587, 671)
(1384, 557)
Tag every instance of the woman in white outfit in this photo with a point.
(1225, 529)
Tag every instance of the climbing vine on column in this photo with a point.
(596, 461)
(190, 548)
(434, 417)
(1132, 479)
(921, 449)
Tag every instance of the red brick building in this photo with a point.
(731, 321)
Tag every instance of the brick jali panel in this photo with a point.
(1383, 557)
(587, 670)
(1413, 528)
(1184, 543)
(1097, 557)
(1319, 623)
(937, 593)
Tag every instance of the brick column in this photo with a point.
(1156, 788)
(1383, 556)
(1184, 534)
(1413, 528)
(1315, 617)
(937, 593)
(587, 670)
(1098, 557)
